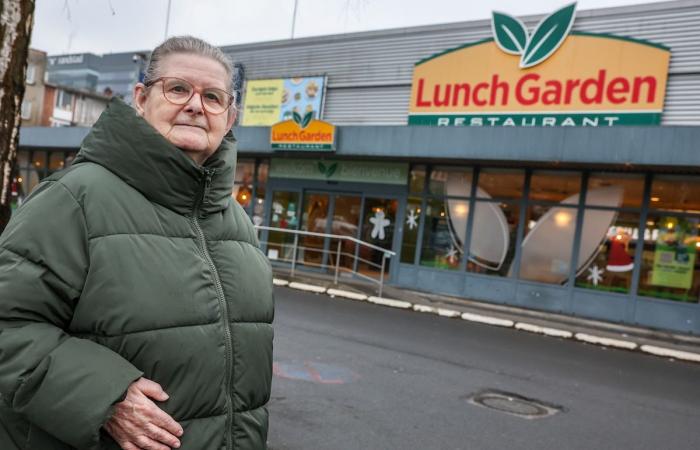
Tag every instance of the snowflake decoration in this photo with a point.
(379, 222)
(412, 219)
(451, 254)
(595, 275)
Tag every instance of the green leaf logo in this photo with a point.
(511, 35)
(331, 170)
(297, 118)
(548, 36)
(327, 171)
(307, 118)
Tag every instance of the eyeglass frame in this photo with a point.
(232, 97)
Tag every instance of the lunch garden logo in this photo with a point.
(512, 37)
(550, 77)
(303, 133)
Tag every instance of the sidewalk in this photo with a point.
(625, 337)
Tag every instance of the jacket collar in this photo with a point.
(124, 143)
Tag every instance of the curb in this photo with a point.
(498, 322)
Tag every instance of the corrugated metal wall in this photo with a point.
(369, 74)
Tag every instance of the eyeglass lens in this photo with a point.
(180, 92)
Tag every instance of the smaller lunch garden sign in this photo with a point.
(303, 133)
(549, 76)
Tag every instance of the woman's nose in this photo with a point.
(194, 105)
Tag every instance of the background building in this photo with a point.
(599, 222)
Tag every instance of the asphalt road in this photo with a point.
(352, 375)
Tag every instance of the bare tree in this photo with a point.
(16, 20)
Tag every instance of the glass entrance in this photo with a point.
(370, 219)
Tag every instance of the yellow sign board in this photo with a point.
(303, 134)
(519, 79)
(270, 101)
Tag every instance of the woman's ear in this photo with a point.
(139, 96)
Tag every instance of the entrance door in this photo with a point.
(344, 211)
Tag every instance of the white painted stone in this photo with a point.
(307, 287)
(279, 282)
(448, 312)
(554, 332)
(390, 302)
(487, 320)
(669, 353)
(423, 308)
(607, 342)
(346, 294)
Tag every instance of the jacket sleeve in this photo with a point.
(60, 383)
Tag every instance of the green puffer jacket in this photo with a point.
(134, 262)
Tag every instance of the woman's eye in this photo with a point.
(178, 89)
(212, 97)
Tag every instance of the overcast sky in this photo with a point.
(107, 26)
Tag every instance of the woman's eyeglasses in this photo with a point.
(178, 92)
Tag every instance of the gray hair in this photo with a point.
(187, 44)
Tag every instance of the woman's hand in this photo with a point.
(138, 424)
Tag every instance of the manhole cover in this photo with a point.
(514, 404)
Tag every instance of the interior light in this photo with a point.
(650, 223)
(562, 218)
(460, 209)
(697, 244)
(669, 225)
(655, 199)
(20, 179)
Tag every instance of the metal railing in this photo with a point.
(292, 256)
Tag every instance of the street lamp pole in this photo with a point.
(167, 21)
(294, 17)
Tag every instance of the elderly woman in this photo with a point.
(135, 305)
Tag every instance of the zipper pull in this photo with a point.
(208, 174)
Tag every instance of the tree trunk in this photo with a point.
(16, 20)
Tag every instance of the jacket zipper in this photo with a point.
(222, 304)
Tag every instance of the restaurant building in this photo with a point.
(550, 162)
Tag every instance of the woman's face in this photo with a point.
(195, 131)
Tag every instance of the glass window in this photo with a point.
(56, 161)
(22, 158)
(39, 160)
(443, 238)
(615, 190)
(501, 183)
(31, 73)
(670, 267)
(410, 230)
(547, 245)
(283, 215)
(378, 225)
(243, 182)
(606, 251)
(675, 193)
(259, 207)
(451, 181)
(263, 169)
(416, 179)
(26, 109)
(64, 100)
(492, 245)
(555, 187)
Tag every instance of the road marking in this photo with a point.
(313, 371)
(346, 294)
(279, 282)
(389, 302)
(487, 320)
(307, 287)
(667, 352)
(554, 332)
(607, 342)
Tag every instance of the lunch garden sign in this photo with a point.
(303, 133)
(551, 76)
